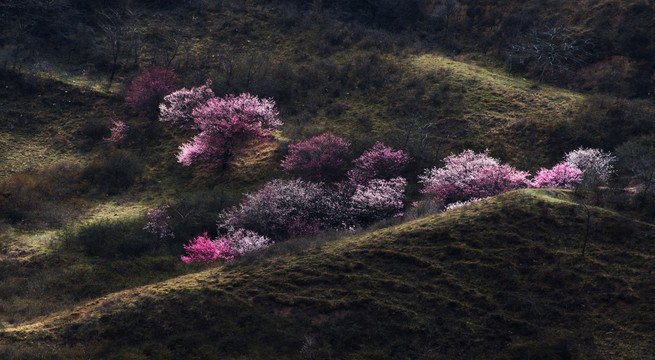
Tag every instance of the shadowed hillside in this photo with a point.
(500, 279)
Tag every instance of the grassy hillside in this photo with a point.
(505, 279)
(500, 279)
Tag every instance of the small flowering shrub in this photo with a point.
(227, 124)
(470, 175)
(321, 158)
(118, 130)
(379, 162)
(379, 199)
(239, 242)
(203, 249)
(563, 176)
(147, 90)
(243, 241)
(278, 207)
(460, 204)
(596, 166)
(178, 106)
(158, 223)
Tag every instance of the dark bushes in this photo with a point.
(194, 214)
(27, 196)
(110, 238)
(113, 174)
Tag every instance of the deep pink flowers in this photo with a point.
(147, 90)
(321, 158)
(239, 242)
(378, 162)
(563, 175)
(470, 175)
(203, 249)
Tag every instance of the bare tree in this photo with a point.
(639, 160)
(120, 38)
(445, 12)
(552, 49)
(588, 224)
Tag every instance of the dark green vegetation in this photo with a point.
(502, 279)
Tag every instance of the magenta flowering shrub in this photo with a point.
(596, 166)
(203, 249)
(239, 242)
(278, 207)
(147, 90)
(378, 162)
(158, 223)
(118, 130)
(470, 175)
(321, 158)
(227, 124)
(178, 106)
(244, 241)
(379, 199)
(563, 176)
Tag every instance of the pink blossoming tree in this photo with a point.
(378, 162)
(596, 165)
(203, 249)
(563, 176)
(278, 207)
(158, 222)
(118, 130)
(471, 175)
(178, 106)
(226, 125)
(378, 199)
(321, 158)
(243, 241)
(149, 88)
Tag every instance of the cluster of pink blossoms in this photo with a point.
(118, 130)
(239, 242)
(158, 222)
(224, 125)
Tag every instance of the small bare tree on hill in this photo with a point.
(554, 49)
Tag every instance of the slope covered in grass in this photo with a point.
(501, 279)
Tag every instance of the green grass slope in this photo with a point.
(501, 279)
